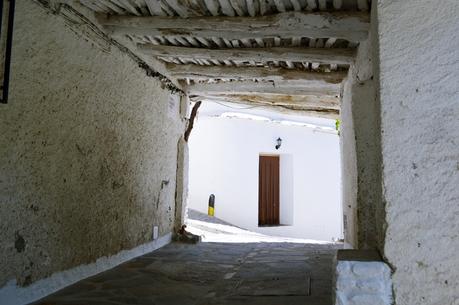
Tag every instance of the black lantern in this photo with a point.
(279, 143)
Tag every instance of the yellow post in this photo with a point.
(211, 209)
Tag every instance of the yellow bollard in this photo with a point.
(211, 209)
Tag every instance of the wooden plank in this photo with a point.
(305, 101)
(317, 55)
(328, 44)
(212, 6)
(261, 193)
(280, 5)
(276, 191)
(128, 6)
(264, 7)
(252, 7)
(296, 5)
(251, 87)
(312, 5)
(166, 8)
(182, 9)
(261, 73)
(337, 4)
(322, 5)
(113, 7)
(239, 6)
(262, 103)
(142, 7)
(261, 197)
(268, 198)
(154, 6)
(91, 5)
(227, 9)
(352, 26)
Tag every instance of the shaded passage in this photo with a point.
(213, 273)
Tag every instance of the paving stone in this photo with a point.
(212, 274)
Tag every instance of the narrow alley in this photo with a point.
(323, 135)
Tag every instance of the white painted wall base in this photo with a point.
(12, 294)
(363, 283)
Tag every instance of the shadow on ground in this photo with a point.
(258, 273)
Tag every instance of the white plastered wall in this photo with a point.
(419, 77)
(224, 158)
(87, 138)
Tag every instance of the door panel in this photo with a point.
(268, 190)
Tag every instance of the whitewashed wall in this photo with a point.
(419, 96)
(224, 156)
(81, 171)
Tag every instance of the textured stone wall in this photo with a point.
(88, 150)
(419, 77)
(363, 283)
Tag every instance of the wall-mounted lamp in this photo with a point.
(279, 143)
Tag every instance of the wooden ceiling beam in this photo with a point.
(302, 105)
(328, 102)
(317, 55)
(250, 87)
(352, 26)
(198, 72)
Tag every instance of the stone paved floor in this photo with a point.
(212, 273)
(262, 273)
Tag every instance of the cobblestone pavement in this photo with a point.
(262, 273)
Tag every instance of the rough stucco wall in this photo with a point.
(418, 45)
(360, 146)
(348, 167)
(88, 151)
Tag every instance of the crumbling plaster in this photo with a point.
(88, 150)
(419, 96)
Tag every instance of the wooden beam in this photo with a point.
(250, 87)
(304, 105)
(329, 102)
(198, 72)
(317, 55)
(351, 26)
(194, 113)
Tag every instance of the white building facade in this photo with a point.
(224, 160)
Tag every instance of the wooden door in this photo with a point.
(268, 190)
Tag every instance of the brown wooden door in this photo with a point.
(268, 191)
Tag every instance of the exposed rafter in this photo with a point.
(268, 53)
(276, 58)
(305, 105)
(330, 102)
(317, 55)
(198, 72)
(350, 26)
(252, 87)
